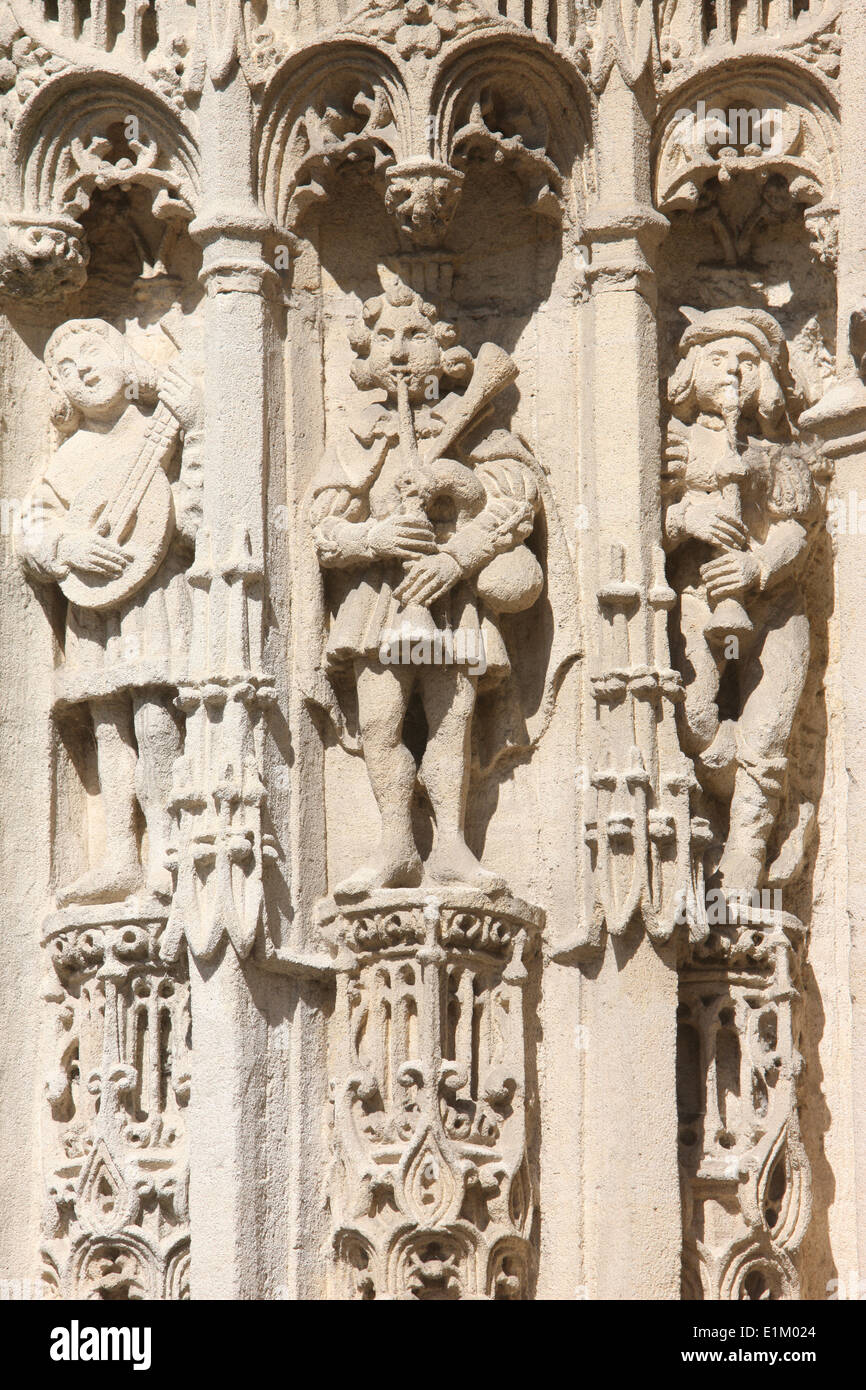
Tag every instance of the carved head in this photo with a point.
(403, 337)
(734, 365)
(94, 373)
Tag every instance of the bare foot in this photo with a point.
(160, 882)
(452, 861)
(740, 873)
(722, 752)
(109, 881)
(389, 868)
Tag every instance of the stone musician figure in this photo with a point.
(112, 519)
(421, 539)
(741, 515)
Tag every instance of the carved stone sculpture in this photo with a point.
(742, 511)
(432, 743)
(431, 549)
(108, 526)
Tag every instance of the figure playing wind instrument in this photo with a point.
(742, 514)
(419, 522)
(112, 522)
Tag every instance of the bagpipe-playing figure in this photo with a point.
(419, 524)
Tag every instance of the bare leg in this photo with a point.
(383, 696)
(118, 872)
(159, 745)
(702, 669)
(449, 702)
(775, 680)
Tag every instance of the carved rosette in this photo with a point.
(429, 1188)
(745, 1174)
(115, 1153)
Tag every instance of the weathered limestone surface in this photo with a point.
(431, 720)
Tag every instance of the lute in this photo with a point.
(132, 507)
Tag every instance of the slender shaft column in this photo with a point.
(633, 1213)
(839, 422)
(218, 904)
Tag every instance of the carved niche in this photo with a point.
(425, 182)
(747, 170)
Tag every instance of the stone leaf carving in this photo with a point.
(745, 1172)
(429, 1188)
(115, 1135)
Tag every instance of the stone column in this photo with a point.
(633, 1204)
(839, 421)
(852, 219)
(25, 712)
(220, 779)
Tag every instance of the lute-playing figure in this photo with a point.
(420, 534)
(111, 521)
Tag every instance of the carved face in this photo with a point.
(92, 376)
(403, 344)
(727, 376)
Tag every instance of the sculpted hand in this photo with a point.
(676, 449)
(401, 538)
(730, 575)
(181, 397)
(714, 522)
(428, 579)
(91, 554)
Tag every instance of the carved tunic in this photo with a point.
(141, 642)
(780, 509)
(479, 509)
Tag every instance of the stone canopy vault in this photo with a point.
(432, 758)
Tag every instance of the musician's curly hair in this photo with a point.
(456, 361)
(138, 373)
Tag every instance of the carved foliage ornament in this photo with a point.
(68, 145)
(779, 134)
(745, 1172)
(116, 1222)
(417, 133)
(429, 1189)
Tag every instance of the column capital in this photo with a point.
(624, 238)
(231, 239)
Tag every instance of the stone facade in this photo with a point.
(431, 732)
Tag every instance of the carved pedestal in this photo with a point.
(430, 1186)
(115, 1136)
(746, 1184)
